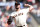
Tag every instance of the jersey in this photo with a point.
(21, 17)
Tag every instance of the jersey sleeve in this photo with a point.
(12, 14)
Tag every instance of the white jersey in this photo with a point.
(21, 17)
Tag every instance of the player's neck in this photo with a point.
(18, 10)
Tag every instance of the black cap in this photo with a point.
(17, 3)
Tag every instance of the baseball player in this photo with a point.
(20, 15)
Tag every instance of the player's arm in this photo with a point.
(30, 7)
(10, 19)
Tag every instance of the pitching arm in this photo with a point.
(30, 7)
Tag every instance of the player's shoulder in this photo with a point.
(13, 13)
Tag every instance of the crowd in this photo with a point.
(5, 12)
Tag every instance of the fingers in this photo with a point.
(26, 4)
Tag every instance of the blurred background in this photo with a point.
(8, 6)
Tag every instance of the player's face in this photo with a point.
(18, 6)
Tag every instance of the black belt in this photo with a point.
(20, 26)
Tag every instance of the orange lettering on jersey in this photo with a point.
(18, 14)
